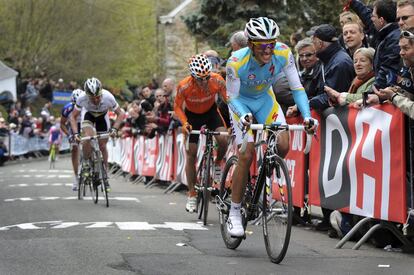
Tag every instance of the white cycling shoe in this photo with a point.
(191, 205)
(235, 226)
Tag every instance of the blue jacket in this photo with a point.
(338, 73)
(387, 50)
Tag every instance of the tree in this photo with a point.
(74, 39)
(217, 19)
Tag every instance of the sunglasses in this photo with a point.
(407, 34)
(264, 45)
(306, 55)
(202, 79)
(404, 18)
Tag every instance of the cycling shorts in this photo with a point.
(212, 119)
(100, 123)
(264, 109)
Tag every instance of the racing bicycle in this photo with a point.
(269, 195)
(204, 176)
(96, 178)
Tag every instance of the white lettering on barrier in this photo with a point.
(297, 141)
(290, 163)
(379, 123)
(333, 186)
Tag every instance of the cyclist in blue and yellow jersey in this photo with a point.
(67, 130)
(251, 71)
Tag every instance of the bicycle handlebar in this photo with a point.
(98, 136)
(275, 127)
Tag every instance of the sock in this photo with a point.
(235, 209)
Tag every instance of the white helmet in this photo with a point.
(261, 28)
(75, 94)
(199, 66)
(93, 87)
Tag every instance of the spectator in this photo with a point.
(147, 94)
(295, 38)
(168, 85)
(160, 114)
(45, 114)
(337, 67)
(311, 75)
(215, 60)
(46, 91)
(348, 17)
(405, 14)
(363, 59)
(60, 85)
(381, 22)
(4, 131)
(30, 94)
(26, 128)
(3, 152)
(397, 95)
(238, 41)
(353, 35)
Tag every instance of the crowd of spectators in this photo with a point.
(369, 61)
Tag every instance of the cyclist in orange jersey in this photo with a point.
(198, 92)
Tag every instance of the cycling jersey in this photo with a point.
(107, 103)
(246, 78)
(55, 136)
(196, 99)
(249, 87)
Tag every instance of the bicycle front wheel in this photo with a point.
(277, 211)
(224, 203)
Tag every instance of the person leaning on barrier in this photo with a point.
(396, 94)
(160, 114)
(362, 83)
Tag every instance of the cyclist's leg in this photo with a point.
(239, 180)
(216, 122)
(272, 112)
(196, 120)
(88, 129)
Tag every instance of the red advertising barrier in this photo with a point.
(358, 166)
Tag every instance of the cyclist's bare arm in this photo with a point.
(73, 120)
(63, 127)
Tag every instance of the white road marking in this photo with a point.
(94, 225)
(71, 198)
(39, 184)
(41, 171)
(43, 176)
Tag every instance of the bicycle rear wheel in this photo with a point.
(277, 211)
(224, 203)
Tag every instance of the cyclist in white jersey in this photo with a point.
(93, 106)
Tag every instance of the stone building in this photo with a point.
(178, 44)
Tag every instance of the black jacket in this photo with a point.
(337, 73)
(387, 50)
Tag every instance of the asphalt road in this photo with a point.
(44, 229)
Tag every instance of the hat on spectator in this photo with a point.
(12, 125)
(312, 30)
(60, 80)
(28, 113)
(326, 32)
(2, 119)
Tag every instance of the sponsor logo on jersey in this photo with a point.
(251, 76)
(234, 59)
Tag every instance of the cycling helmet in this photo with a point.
(200, 66)
(261, 28)
(93, 87)
(75, 94)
